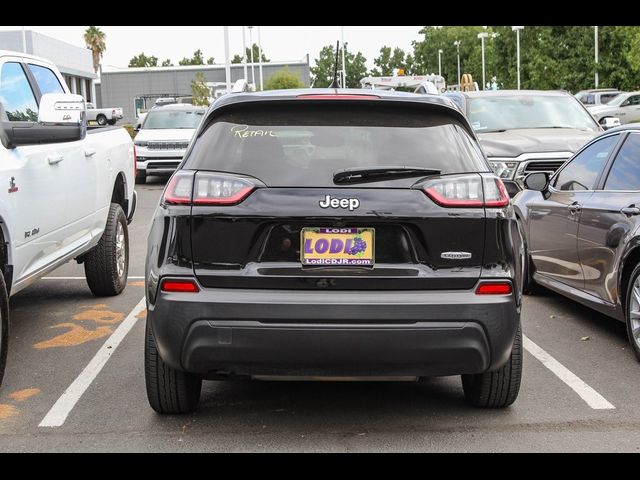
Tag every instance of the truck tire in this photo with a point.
(111, 122)
(102, 120)
(141, 177)
(106, 265)
(169, 391)
(4, 326)
(497, 389)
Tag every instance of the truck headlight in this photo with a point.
(140, 143)
(505, 170)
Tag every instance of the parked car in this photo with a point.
(595, 97)
(582, 228)
(103, 116)
(333, 233)
(68, 193)
(164, 138)
(524, 131)
(625, 107)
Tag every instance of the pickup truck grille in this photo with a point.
(162, 165)
(167, 145)
(543, 166)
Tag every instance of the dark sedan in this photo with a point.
(582, 228)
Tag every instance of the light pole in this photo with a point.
(440, 62)
(253, 73)
(517, 30)
(260, 60)
(344, 68)
(482, 36)
(596, 44)
(457, 44)
(244, 53)
(227, 64)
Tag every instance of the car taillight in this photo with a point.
(179, 286)
(467, 191)
(494, 288)
(215, 189)
(206, 189)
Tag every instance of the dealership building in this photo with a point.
(139, 87)
(75, 63)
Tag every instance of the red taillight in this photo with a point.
(467, 191)
(216, 189)
(206, 189)
(494, 288)
(178, 191)
(179, 286)
(338, 96)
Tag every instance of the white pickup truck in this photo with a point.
(65, 192)
(103, 116)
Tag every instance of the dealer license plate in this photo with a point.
(337, 247)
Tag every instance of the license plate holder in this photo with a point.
(337, 247)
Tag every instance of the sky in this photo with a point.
(285, 43)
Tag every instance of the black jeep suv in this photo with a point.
(333, 233)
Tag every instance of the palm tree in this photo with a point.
(95, 40)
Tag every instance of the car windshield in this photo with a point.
(180, 119)
(493, 114)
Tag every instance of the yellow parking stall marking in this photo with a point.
(7, 411)
(76, 335)
(101, 317)
(22, 395)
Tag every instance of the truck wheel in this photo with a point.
(500, 388)
(106, 265)
(101, 119)
(632, 311)
(169, 391)
(4, 326)
(141, 177)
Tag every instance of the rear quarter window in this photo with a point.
(303, 144)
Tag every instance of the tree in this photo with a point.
(143, 61)
(283, 79)
(236, 59)
(325, 63)
(95, 39)
(210, 61)
(197, 59)
(167, 63)
(388, 61)
(199, 90)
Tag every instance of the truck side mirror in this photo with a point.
(61, 118)
(610, 122)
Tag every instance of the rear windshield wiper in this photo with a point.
(379, 174)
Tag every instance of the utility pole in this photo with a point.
(253, 73)
(227, 62)
(517, 30)
(596, 43)
(344, 68)
(244, 53)
(482, 36)
(260, 60)
(440, 62)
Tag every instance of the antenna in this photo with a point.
(335, 83)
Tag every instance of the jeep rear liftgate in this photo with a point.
(275, 186)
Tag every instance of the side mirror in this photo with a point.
(61, 118)
(536, 181)
(610, 122)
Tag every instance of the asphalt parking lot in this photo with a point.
(580, 389)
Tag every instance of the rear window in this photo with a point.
(304, 145)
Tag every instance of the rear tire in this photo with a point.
(4, 326)
(106, 266)
(633, 306)
(141, 178)
(500, 388)
(102, 120)
(169, 391)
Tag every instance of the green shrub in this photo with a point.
(282, 80)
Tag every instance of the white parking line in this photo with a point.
(63, 406)
(84, 278)
(588, 394)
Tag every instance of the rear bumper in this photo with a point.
(339, 333)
